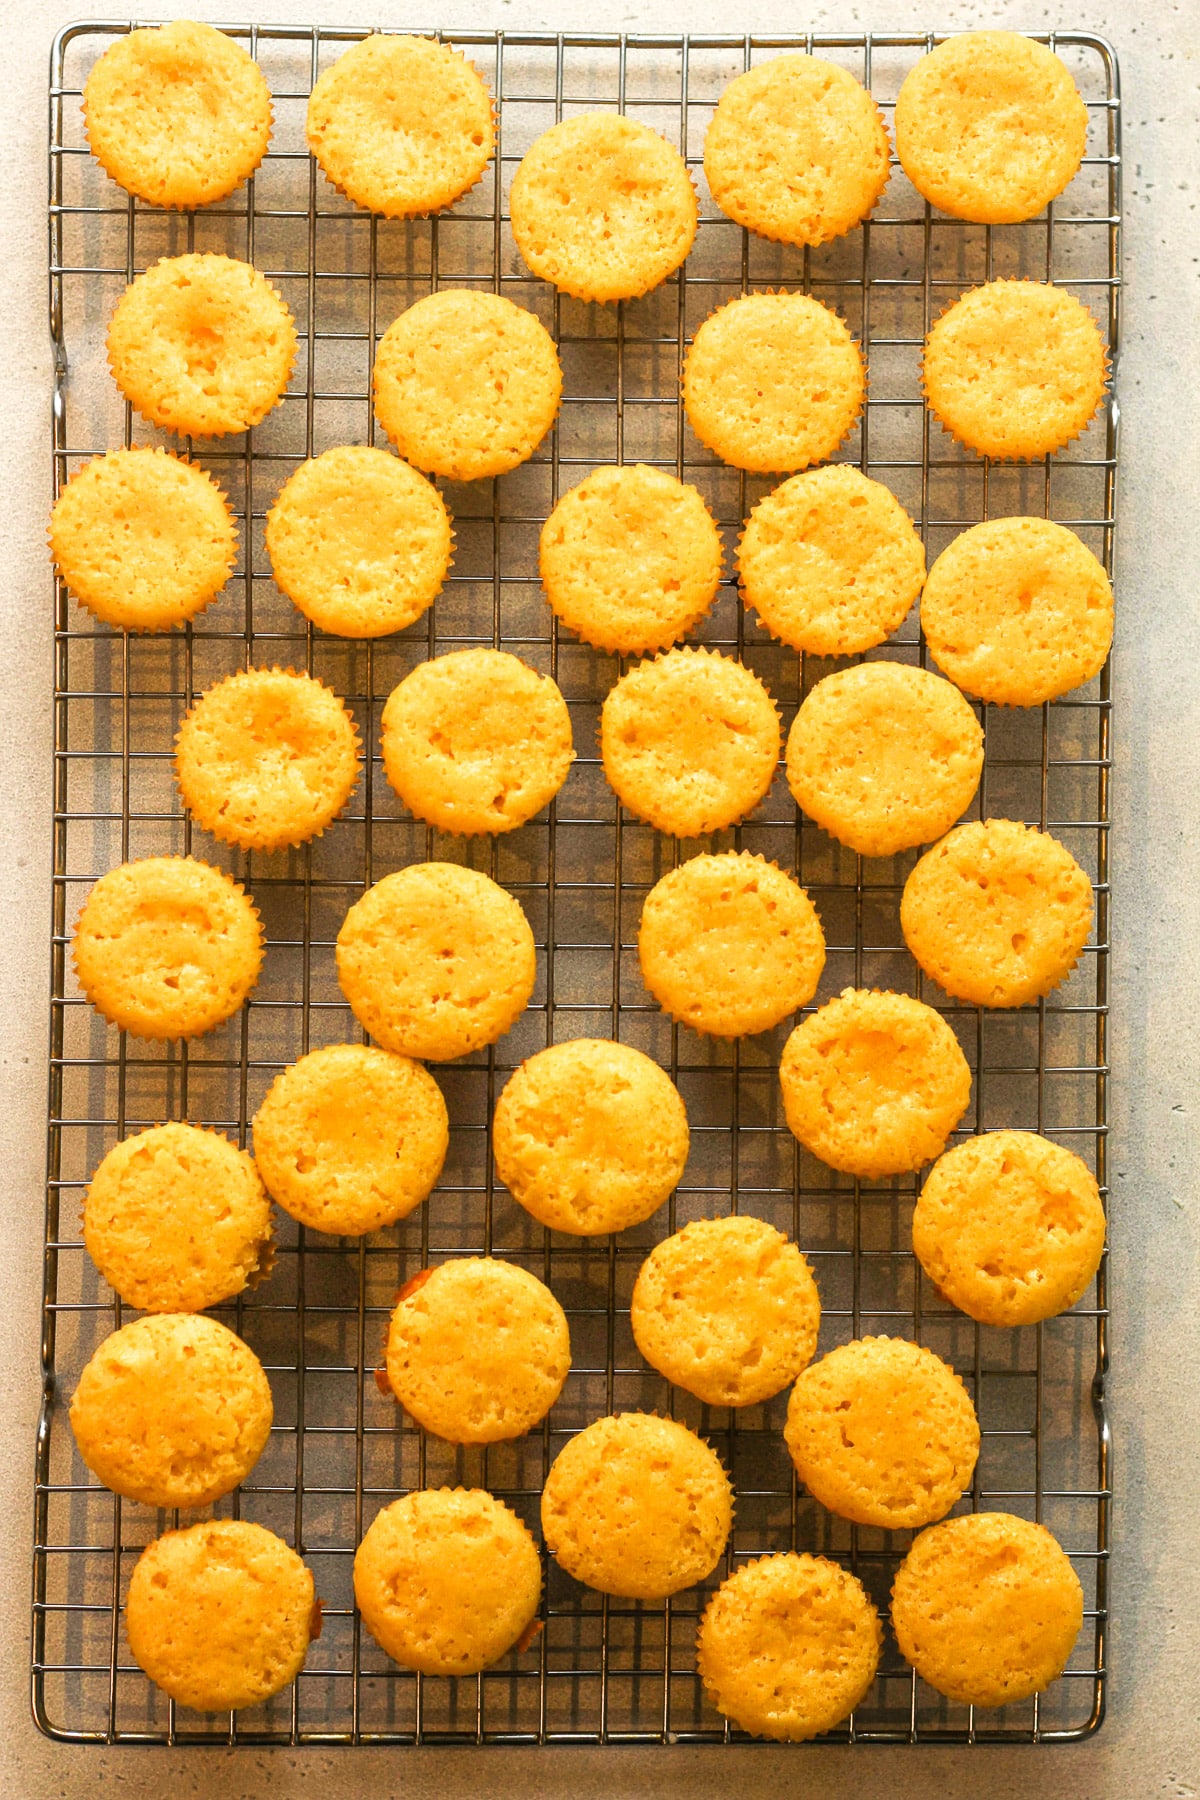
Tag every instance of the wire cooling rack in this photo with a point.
(602, 1671)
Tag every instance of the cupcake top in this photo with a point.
(630, 559)
(773, 382)
(987, 1608)
(831, 562)
(788, 1645)
(883, 1432)
(637, 1506)
(202, 345)
(167, 947)
(447, 1580)
(603, 207)
(690, 741)
(267, 758)
(401, 125)
(1010, 1227)
(351, 1138)
(997, 913)
(173, 1410)
(359, 541)
(874, 1083)
(176, 1219)
(728, 1309)
(1018, 611)
(478, 1350)
(1015, 369)
(476, 742)
(143, 539)
(884, 756)
(466, 384)
(177, 115)
(436, 961)
(797, 150)
(990, 126)
(730, 945)
(590, 1137)
(220, 1615)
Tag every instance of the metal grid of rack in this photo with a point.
(602, 1671)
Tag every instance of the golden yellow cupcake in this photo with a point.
(987, 1608)
(359, 541)
(1010, 1227)
(730, 945)
(167, 947)
(884, 756)
(173, 1410)
(351, 1138)
(728, 1309)
(874, 1083)
(447, 1580)
(773, 382)
(476, 741)
(690, 741)
(267, 758)
(797, 150)
(830, 562)
(1015, 369)
(202, 345)
(997, 913)
(401, 125)
(603, 207)
(590, 1137)
(990, 126)
(630, 559)
(1018, 611)
(637, 1506)
(436, 961)
(466, 384)
(177, 115)
(883, 1432)
(177, 1219)
(142, 539)
(220, 1615)
(478, 1350)
(788, 1646)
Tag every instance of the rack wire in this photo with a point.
(602, 1671)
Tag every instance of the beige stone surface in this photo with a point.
(1150, 1747)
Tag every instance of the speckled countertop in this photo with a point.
(1150, 1745)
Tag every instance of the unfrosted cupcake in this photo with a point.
(466, 384)
(351, 1138)
(637, 1506)
(630, 559)
(690, 741)
(202, 344)
(476, 742)
(447, 1580)
(401, 125)
(176, 1219)
(788, 1646)
(797, 150)
(359, 541)
(177, 115)
(167, 947)
(603, 207)
(773, 382)
(220, 1615)
(173, 1410)
(143, 539)
(590, 1137)
(478, 1350)
(267, 758)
